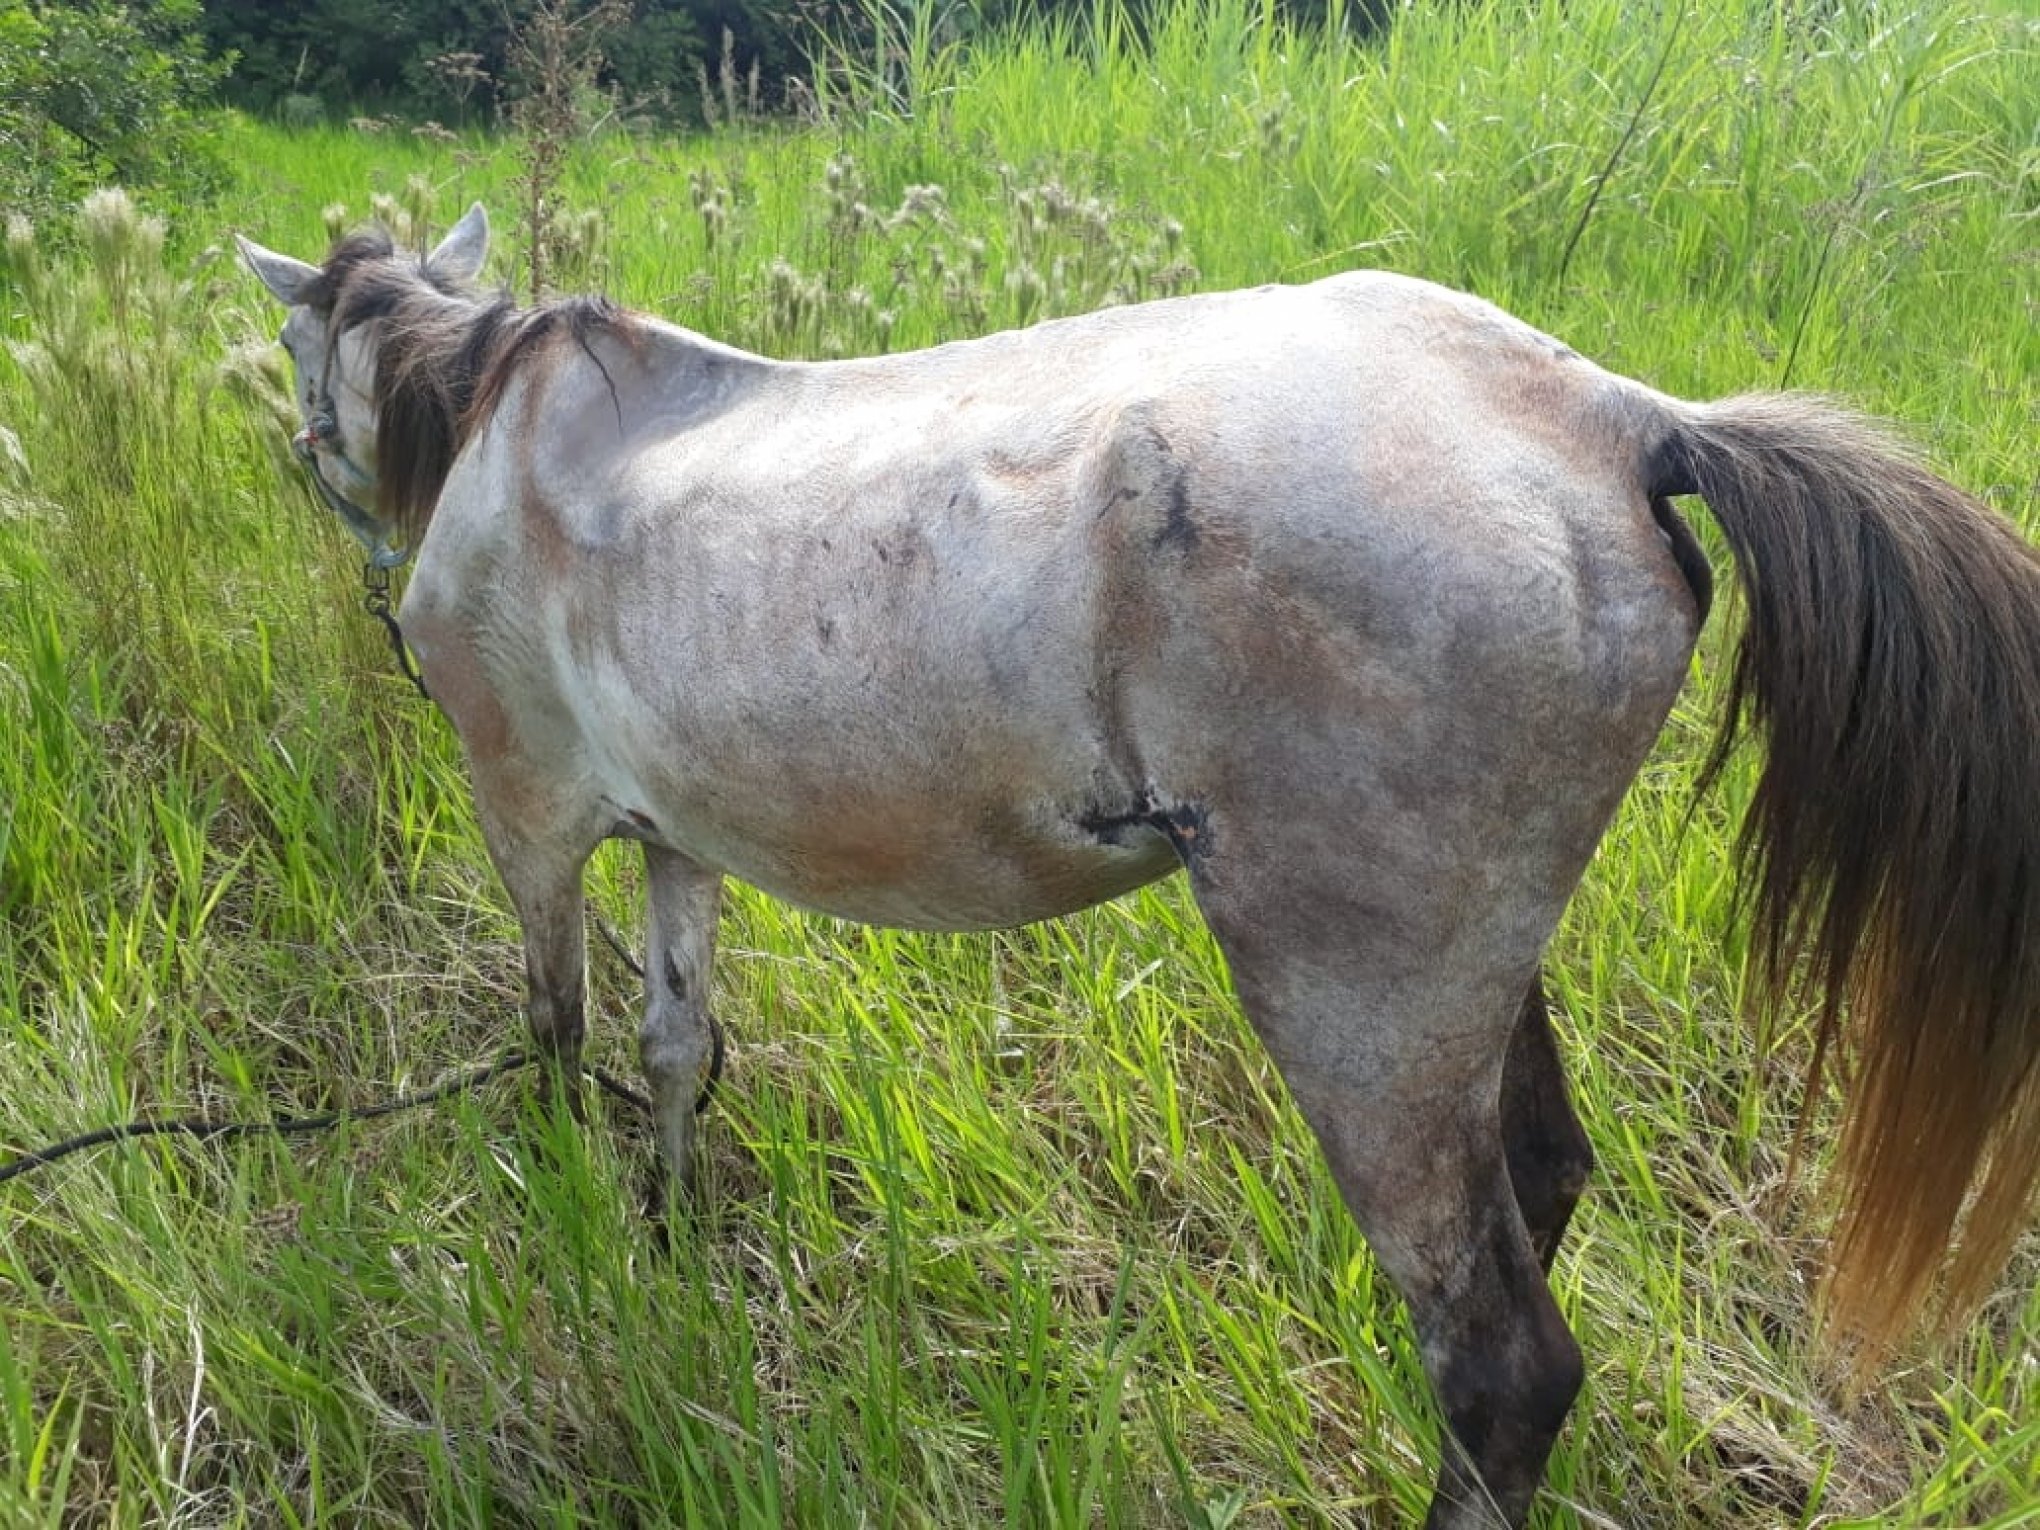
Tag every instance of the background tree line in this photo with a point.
(452, 60)
(96, 92)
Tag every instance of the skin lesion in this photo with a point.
(633, 824)
(1185, 825)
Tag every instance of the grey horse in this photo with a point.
(1359, 602)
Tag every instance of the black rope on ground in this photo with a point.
(205, 1128)
(611, 1085)
(615, 943)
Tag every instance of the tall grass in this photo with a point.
(1017, 1229)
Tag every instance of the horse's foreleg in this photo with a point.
(1549, 1155)
(555, 973)
(542, 873)
(675, 1040)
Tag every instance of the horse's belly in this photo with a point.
(944, 882)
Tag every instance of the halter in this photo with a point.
(368, 531)
(323, 428)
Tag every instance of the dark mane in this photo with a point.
(445, 354)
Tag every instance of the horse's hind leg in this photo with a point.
(1549, 1155)
(675, 1040)
(1391, 1025)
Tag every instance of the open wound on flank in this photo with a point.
(1184, 825)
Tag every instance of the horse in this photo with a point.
(1359, 603)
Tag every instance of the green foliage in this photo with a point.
(102, 90)
(454, 61)
(655, 59)
(1018, 1229)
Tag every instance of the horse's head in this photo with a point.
(332, 341)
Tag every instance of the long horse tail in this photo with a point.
(1890, 664)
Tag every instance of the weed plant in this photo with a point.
(1017, 1229)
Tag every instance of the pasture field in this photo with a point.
(1018, 1229)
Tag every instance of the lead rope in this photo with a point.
(375, 579)
(207, 1128)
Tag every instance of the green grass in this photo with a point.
(1019, 1229)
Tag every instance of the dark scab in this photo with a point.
(1107, 828)
(1189, 830)
(676, 980)
(1117, 500)
(1178, 529)
(825, 629)
(1185, 825)
(904, 551)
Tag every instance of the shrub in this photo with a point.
(103, 91)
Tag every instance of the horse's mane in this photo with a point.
(445, 354)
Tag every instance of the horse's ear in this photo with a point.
(284, 277)
(460, 254)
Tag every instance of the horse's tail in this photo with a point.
(1891, 664)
